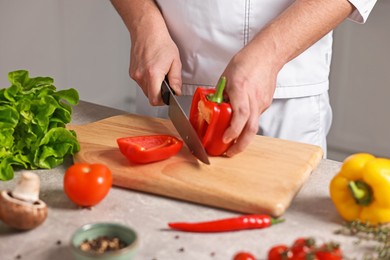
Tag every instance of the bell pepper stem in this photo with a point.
(361, 192)
(217, 97)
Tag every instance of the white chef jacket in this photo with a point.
(209, 33)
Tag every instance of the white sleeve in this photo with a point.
(363, 9)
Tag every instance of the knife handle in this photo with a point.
(165, 93)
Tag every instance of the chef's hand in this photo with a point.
(154, 55)
(250, 85)
(251, 74)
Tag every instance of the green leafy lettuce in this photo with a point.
(33, 115)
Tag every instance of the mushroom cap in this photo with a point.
(20, 214)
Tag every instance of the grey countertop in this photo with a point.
(310, 214)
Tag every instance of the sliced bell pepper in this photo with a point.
(150, 148)
(361, 190)
(210, 115)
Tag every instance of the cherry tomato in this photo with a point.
(304, 245)
(304, 256)
(329, 251)
(328, 256)
(279, 252)
(87, 184)
(244, 256)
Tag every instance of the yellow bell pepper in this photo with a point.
(361, 189)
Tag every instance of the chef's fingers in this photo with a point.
(156, 79)
(174, 76)
(240, 103)
(154, 89)
(249, 131)
(148, 80)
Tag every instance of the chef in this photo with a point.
(275, 55)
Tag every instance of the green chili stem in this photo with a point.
(361, 192)
(276, 220)
(217, 97)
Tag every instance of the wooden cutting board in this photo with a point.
(263, 179)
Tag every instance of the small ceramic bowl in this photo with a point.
(95, 230)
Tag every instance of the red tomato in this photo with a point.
(279, 252)
(87, 184)
(244, 256)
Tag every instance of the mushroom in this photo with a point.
(21, 208)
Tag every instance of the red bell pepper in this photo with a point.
(151, 148)
(210, 116)
(228, 224)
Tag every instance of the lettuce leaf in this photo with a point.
(33, 116)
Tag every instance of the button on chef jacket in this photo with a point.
(209, 33)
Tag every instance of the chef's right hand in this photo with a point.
(153, 56)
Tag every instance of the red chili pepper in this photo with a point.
(151, 148)
(228, 224)
(210, 116)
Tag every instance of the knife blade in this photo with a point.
(182, 124)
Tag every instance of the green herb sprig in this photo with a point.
(366, 232)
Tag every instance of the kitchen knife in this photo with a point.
(182, 124)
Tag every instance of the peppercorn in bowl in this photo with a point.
(104, 241)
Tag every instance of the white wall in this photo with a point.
(360, 86)
(81, 44)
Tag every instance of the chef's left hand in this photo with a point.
(251, 81)
(251, 74)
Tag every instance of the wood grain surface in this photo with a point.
(263, 179)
